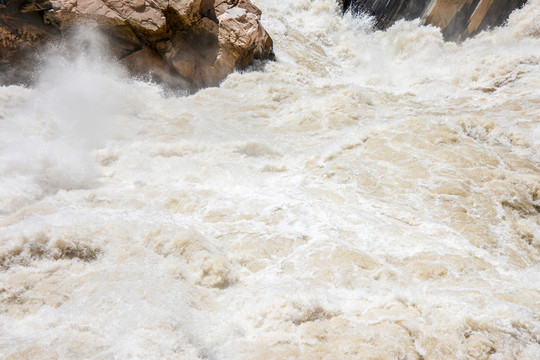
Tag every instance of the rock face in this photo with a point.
(196, 42)
(457, 18)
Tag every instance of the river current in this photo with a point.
(369, 195)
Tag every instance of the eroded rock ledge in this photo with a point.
(458, 19)
(196, 43)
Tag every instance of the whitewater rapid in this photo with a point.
(369, 195)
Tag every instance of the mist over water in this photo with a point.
(369, 195)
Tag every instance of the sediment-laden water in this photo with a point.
(369, 195)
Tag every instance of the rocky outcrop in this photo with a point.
(196, 42)
(457, 18)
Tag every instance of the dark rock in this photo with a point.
(458, 19)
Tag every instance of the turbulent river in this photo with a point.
(369, 195)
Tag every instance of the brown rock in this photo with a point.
(461, 18)
(441, 12)
(147, 63)
(198, 42)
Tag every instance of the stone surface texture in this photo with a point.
(458, 19)
(193, 42)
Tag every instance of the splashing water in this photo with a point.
(370, 195)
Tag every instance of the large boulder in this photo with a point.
(458, 19)
(196, 42)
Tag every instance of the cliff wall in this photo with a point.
(195, 43)
(458, 19)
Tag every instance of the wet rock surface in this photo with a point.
(458, 19)
(188, 43)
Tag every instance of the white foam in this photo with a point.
(369, 193)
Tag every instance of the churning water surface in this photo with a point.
(369, 195)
